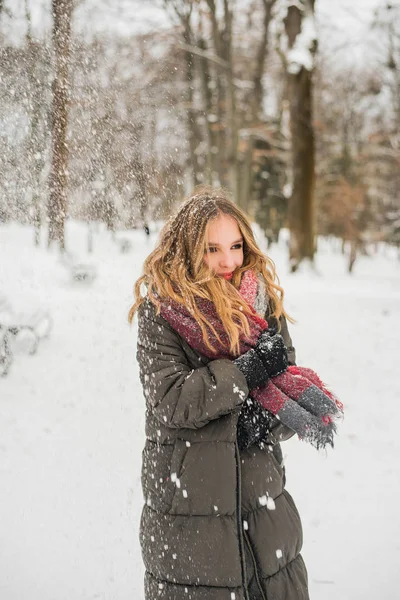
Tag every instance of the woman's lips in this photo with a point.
(227, 275)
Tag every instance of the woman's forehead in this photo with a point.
(223, 229)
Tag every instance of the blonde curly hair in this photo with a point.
(176, 268)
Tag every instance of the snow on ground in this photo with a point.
(72, 426)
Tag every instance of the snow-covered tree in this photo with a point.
(298, 46)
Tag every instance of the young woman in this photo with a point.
(217, 368)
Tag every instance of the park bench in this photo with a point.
(79, 271)
(32, 327)
(124, 245)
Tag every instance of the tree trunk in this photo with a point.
(193, 130)
(36, 156)
(212, 169)
(301, 212)
(244, 183)
(352, 255)
(37, 219)
(35, 147)
(233, 126)
(221, 92)
(57, 207)
(90, 237)
(244, 176)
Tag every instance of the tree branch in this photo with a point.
(204, 54)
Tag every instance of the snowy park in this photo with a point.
(73, 424)
(111, 113)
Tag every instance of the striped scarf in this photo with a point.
(297, 397)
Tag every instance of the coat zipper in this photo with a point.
(246, 537)
(239, 521)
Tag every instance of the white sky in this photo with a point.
(125, 16)
(344, 26)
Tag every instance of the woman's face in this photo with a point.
(224, 251)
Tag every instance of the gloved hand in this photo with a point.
(268, 359)
(252, 367)
(271, 349)
(254, 424)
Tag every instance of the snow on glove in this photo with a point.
(254, 424)
(272, 351)
(252, 367)
(267, 359)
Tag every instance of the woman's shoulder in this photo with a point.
(147, 310)
(149, 314)
(156, 336)
(150, 319)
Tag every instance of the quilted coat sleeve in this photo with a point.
(176, 394)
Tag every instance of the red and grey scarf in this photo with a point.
(297, 397)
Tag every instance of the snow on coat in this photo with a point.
(217, 524)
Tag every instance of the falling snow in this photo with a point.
(95, 423)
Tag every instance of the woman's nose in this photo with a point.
(227, 261)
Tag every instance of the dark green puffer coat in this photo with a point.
(217, 523)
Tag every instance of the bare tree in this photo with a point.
(391, 22)
(261, 59)
(36, 63)
(217, 73)
(57, 207)
(245, 171)
(226, 119)
(183, 10)
(212, 161)
(300, 32)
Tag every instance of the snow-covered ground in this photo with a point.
(72, 426)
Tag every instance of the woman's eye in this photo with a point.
(237, 246)
(212, 249)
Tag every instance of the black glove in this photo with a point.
(252, 368)
(268, 359)
(254, 424)
(272, 352)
